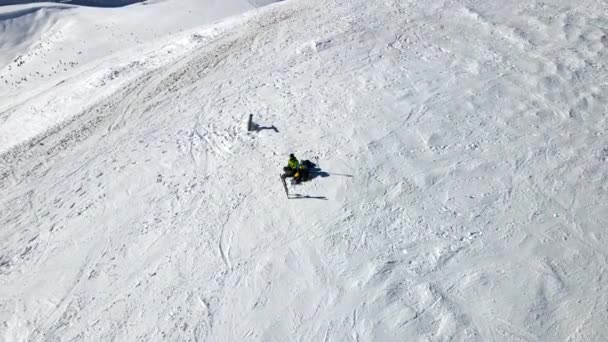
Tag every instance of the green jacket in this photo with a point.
(293, 164)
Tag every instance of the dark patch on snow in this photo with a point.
(604, 155)
(4, 263)
(88, 3)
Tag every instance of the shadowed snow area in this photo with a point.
(466, 197)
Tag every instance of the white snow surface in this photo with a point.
(464, 197)
(47, 47)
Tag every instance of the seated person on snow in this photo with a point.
(293, 166)
(296, 170)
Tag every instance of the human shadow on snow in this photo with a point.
(315, 171)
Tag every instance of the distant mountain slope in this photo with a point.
(109, 3)
(92, 3)
(43, 45)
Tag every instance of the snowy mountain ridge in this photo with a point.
(121, 3)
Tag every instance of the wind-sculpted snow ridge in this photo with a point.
(18, 28)
(466, 149)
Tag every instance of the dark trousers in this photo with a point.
(289, 172)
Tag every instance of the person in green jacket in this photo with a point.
(295, 169)
(293, 166)
(293, 163)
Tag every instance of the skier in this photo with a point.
(299, 171)
(293, 166)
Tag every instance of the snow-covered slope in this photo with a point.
(465, 199)
(45, 45)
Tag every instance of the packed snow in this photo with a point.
(462, 192)
(45, 45)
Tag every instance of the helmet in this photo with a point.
(291, 156)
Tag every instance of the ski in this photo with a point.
(284, 185)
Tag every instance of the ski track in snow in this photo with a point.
(466, 149)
